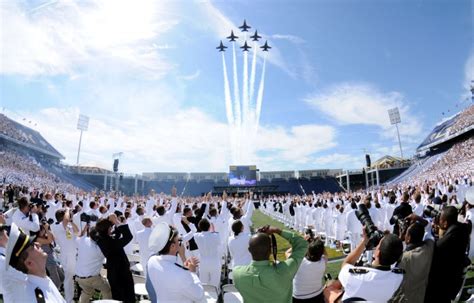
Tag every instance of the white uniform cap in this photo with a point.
(470, 196)
(159, 237)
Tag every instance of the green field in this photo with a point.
(259, 219)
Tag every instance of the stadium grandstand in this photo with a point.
(446, 150)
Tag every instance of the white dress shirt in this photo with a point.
(307, 282)
(239, 250)
(50, 292)
(90, 258)
(142, 239)
(173, 284)
(24, 222)
(12, 281)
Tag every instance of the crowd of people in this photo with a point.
(405, 242)
(77, 234)
(465, 120)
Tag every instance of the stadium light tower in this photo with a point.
(82, 125)
(394, 115)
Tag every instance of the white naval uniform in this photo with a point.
(210, 257)
(172, 283)
(375, 285)
(142, 238)
(47, 287)
(12, 281)
(65, 238)
(239, 250)
(24, 223)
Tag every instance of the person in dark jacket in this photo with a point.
(400, 213)
(449, 258)
(111, 237)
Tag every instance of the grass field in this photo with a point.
(259, 219)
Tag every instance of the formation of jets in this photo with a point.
(255, 37)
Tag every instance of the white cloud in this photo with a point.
(188, 140)
(363, 104)
(296, 145)
(59, 37)
(340, 161)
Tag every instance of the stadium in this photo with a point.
(311, 152)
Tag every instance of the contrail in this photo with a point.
(245, 92)
(236, 89)
(260, 93)
(252, 74)
(228, 100)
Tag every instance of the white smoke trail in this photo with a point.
(260, 94)
(236, 89)
(228, 100)
(245, 92)
(252, 73)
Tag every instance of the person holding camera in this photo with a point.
(449, 259)
(416, 262)
(401, 212)
(376, 282)
(262, 280)
(46, 239)
(111, 237)
(26, 217)
(308, 282)
(65, 232)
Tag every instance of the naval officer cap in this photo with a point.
(470, 195)
(161, 234)
(18, 242)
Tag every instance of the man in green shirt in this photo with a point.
(261, 280)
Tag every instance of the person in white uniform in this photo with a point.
(376, 283)
(90, 260)
(170, 281)
(11, 281)
(142, 238)
(27, 256)
(239, 245)
(26, 216)
(65, 232)
(210, 254)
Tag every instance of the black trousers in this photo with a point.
(317, 299)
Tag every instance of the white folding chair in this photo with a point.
(211, 293)
(140, 289)
(231, 294)
(133, 258)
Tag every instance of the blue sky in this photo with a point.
(148, 75)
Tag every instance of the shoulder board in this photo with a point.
(358, 270)
(398, 270)
(39, 295)
(181, 266)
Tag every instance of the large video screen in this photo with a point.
(243, 175)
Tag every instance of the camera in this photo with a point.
(310, 234)
(403, 224)
(88, 218)
(432, 212)
(373, 233)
